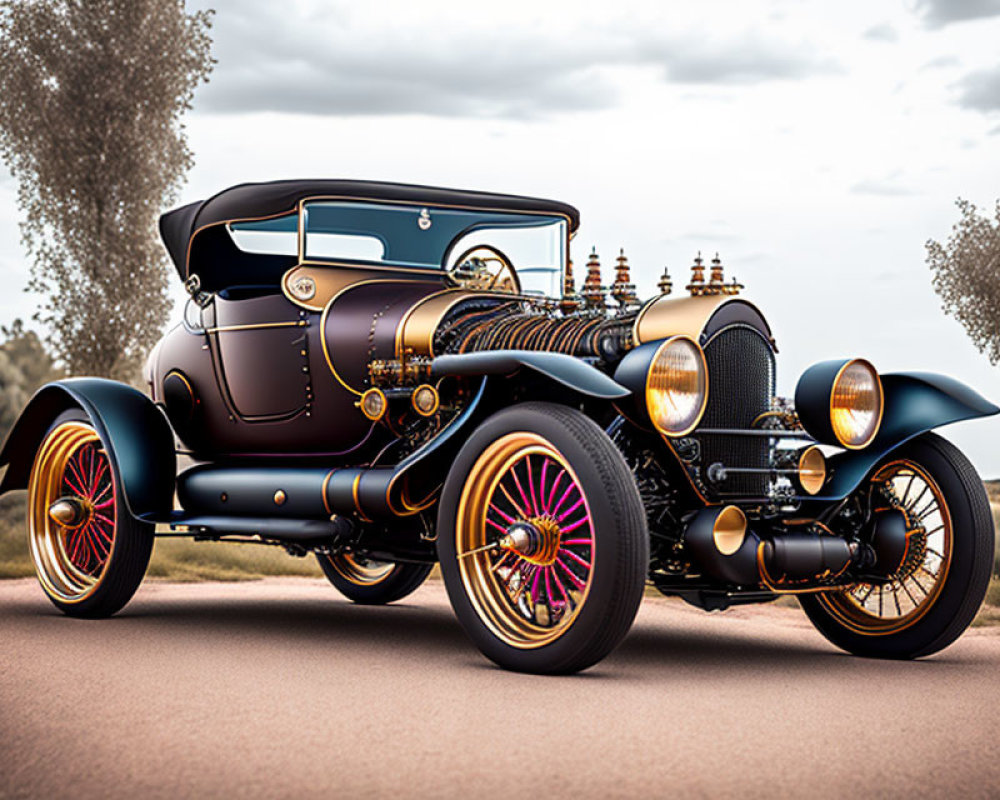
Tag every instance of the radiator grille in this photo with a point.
(740, 387)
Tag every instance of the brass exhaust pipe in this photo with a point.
(723, 545)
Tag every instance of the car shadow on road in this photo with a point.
(411, 629)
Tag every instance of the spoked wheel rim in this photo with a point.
(880, 609)
(360, 570)
(71, 512)
(525, 541)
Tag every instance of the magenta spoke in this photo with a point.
(75, 542)
(571, 509)
(534, 586)
(527, 505)
(541, 488)
(101, 466)
(100, 529)
(100, 495)
(572, 575)
(105, 504)
(587, 542)
(103, 518)
(575, 557)
(506, 517)
(577, 524)
(500, 528)
(90, 470)
(559, 585)
(535, 509)
(562, 499)
(552, 491)
(76, 471)
(79, 492)
(548, 588)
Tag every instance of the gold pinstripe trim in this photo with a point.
(357, 503)
(326, 482)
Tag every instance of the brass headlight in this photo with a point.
(812, 470)
(677, 386)
(856, 404)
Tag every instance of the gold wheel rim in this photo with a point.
(879, 610)
(526, 600)
(71, 560)
(360, 571)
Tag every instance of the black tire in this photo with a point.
(585, 632)
(954, 605)
(111, 585)
(377, 588)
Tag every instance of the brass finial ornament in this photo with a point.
(717, 279)
(733, 287)
(697, 285)
(570, 301)
(665, 284)
(593, 290)
(623, 290)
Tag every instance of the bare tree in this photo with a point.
(967, 276)
(91, 98)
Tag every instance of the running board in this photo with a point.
(297, 530)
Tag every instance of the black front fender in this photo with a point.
(135, 434)
(568, 371)
(915, 402)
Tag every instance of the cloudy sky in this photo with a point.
(815, 145)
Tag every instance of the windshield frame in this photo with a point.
(440, 268)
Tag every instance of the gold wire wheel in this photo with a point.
(362, 571)
(881, 609)
(71, 512)
(525, 541)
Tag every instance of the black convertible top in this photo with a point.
(255, 200)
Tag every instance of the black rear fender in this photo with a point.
(136, 435)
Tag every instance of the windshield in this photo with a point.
(433, 238)
(415, 237)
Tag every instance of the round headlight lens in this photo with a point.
(677, 386)
(856, 404)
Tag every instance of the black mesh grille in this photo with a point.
(740, 387)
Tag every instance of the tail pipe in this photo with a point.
(297, 492)
(724, 547)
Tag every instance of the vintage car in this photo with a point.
(390, 376)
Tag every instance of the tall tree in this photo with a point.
(91, 98)
(967, 276)
(24, 366)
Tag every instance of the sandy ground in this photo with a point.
(281, 688)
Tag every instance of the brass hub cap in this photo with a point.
(525, 541)
(71, 512)
(893, 606)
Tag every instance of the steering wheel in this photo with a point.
(485, 267)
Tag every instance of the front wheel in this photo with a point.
(542, 540)
(89, 552)
(938, 589)
(372, 583)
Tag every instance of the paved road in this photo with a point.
(282, 689)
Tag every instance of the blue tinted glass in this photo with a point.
(409, 236)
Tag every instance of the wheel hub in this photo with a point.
(536, 540)
(70, 512)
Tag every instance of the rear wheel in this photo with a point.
(89, 553)
(368, 582)
(542, 540)
(938, 589)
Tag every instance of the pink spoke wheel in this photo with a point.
(72, 511)
(527, 536)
